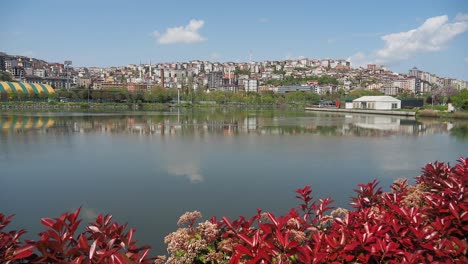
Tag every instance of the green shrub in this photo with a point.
(84, 105)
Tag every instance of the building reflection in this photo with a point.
(21, 123)
(231, 125)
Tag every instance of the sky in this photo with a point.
(431, 35)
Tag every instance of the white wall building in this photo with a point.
(251, 85)
(377, 103)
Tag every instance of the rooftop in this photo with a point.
(380, 98)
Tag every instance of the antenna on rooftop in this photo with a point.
(250, 56)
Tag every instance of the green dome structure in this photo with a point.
(25, 88)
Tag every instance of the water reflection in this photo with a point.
(25, 122)
(233, 123)
(149, 168)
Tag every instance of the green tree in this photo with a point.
(239, 97)
(220, 97)
(461, 100)
(238, 71)
(295, 97)
(312, 97)
(361, 92)
(5, 76)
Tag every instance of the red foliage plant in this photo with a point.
(393, 227)
(423, 223)
(103, 241)
(11, 248)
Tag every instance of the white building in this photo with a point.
(251, 85)
(377, 103)
(39, 73)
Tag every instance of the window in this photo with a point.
(394, 105)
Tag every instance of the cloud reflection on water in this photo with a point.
(191, 170)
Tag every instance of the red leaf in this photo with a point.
(118, 258)
(78, 260)
(242, 249)
(246, 239)
(95, 229)
(72, 217)
(143, 255)
(48, 222)
(130, 235)
(83, 242)
(228, 223)
(23, 252)
(92, 250)
(454, 211)
(272, 218)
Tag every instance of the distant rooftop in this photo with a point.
(379, 98)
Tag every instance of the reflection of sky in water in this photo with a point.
(187, 169)
(148, 170)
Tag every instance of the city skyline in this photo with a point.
(398, 35)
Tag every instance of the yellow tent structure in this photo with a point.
(25, 88)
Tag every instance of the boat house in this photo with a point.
(377, 103)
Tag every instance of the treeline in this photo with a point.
(162, 95)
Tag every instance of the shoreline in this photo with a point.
(423, 113)
(77, 106)
(355, 111)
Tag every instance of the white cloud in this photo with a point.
(189, 170)
(290, 56)
(89, 214)
(432, 36)
(359, 59)
(183, 34)
(263, 20)
(215, 55)
(461, 17)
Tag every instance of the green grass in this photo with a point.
(442, 114)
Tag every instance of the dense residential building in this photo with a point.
(251, 85)
(215, 80)
(228, 76)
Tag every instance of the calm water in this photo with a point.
(149, 168)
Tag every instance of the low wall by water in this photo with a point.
(376, 112)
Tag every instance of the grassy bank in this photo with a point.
(442, 114)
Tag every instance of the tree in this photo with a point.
(361, 92)
(238, 71)
(461, 100)
(442, 94)
(5, 76)
(295, 97)
(312, 98)
(342, 92)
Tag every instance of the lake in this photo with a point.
(148, 168)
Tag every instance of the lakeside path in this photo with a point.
(375, 112)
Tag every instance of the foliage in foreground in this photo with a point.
(103, 241)
(421, 223)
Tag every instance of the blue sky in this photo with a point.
(432, 35)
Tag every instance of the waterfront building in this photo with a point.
(377, 103)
